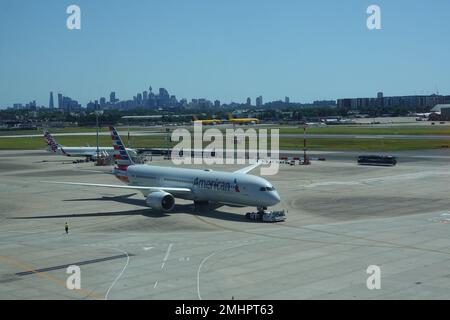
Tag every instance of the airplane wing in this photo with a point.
(114, 186)
(249, 168)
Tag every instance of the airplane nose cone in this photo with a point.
(275, 198)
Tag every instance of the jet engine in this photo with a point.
(161, 201)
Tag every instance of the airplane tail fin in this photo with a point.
(51, 142)
(123, 159)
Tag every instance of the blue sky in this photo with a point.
(227, 50)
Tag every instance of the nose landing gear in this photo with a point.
(261, 210)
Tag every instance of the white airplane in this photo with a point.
(161, 185)
(88, 152)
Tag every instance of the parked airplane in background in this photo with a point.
(161, 185)
(229, 120)
(88, 152)
(210, 122)
(242, 120)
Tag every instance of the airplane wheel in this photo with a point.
(261, 209)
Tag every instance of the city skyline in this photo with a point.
(162, 99)
(223, 51)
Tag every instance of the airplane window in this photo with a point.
(262, 189)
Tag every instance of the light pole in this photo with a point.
(98, 113)
(128, 125)
(168, 141)
(305, 157)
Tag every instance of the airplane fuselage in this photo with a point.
(86, 151)
(206, 185)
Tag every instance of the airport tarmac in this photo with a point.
(342, 218)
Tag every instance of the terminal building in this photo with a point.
(404, 101)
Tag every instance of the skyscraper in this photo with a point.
(112, 97)
(259, 101)
(50, 104)
(249, 101)
(60, 101)
(286, 100)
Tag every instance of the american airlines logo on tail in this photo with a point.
(123, 160)
(119, 150)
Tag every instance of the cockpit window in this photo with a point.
(267, 189)
(262, 189)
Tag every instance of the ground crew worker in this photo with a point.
(66, 227)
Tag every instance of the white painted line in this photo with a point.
(120, 274)
(167, 255)
(156, 283)
(203, 262)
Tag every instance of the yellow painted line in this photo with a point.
(44, 275)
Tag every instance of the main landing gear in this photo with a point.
(201, 205)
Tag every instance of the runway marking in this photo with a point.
(64, 266)
(19, 264)
(206, 259)
(169, 248)
(120, 274)
(167, 255)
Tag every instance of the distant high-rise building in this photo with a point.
(145, 95)
(163, 92)
(286, 100)
(249, 101)
(410, 102)
(139, 98)
(259, 101)
(217, 104)
(112, 97)
(50, 104)
(102, 101)
(60, 101)
(90, 107)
